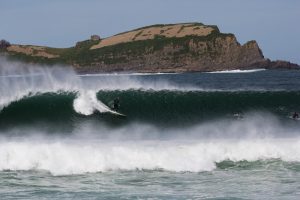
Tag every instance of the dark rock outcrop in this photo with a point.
(278, 64)
(95, 37)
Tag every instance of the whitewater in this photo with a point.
(76, 157)
(186, 136)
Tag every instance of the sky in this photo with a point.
(274, 24)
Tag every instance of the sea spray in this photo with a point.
(25, 80)
(21, 80)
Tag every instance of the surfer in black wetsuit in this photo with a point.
(116, 104)
(295, 115)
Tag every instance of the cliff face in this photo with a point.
(159, 48)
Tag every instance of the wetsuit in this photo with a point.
(295, 116)
(116, 104)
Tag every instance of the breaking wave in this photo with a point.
(170, 108)
(239, 71)
(170, 127)
(69, 157)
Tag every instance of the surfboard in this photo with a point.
(112, 111)
(296, 119)
(117, 113)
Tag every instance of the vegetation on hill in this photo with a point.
(82, 55)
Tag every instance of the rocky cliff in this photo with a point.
(158, 48)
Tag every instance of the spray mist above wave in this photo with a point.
(20, 80)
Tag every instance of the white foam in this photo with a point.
(126, 74)
(77, 157)
(87, 103)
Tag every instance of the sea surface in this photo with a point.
(224, 135)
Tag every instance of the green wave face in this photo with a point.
(161, 108)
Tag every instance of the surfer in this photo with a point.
(295, 115)
(116, 104)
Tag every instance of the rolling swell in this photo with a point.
(157, 107)
(40, 108)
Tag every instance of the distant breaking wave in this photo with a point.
(239, 71)
(127, 74)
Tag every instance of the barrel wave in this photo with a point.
(164, 107)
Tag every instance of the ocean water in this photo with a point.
(225, 135)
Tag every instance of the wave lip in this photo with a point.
(77, 157)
